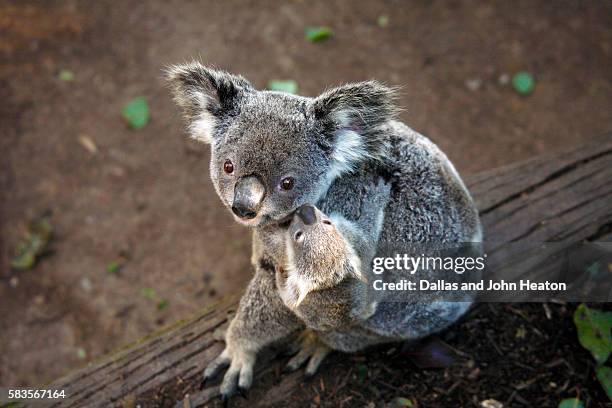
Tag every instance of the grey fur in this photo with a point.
(336, 147)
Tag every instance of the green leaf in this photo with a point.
(316, 34)
(594, 331)
(604, 375)
(383, 21)
(66, 75)
(24, 260)
(288, 86)
(113, 267)
(162, 305)
(571, 403)
(136, 113)
(33, 244)
(81, 353)
(520, 333)
(523, 83)
(402, 402)
(148, 293)
(362, 372)
(594, 270)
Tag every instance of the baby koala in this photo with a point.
(322, 281)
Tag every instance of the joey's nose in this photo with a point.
(307, 214)
(243, 212)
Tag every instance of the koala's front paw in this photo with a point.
(239, 375)
(378, 193)
(309, 348)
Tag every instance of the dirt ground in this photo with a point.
(534, 361)
(144, 196)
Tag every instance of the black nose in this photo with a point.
(243, 212)
(307, 214)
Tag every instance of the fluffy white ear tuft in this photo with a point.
(203, 95)
(203, 127)
(352, 116)
(349, 150)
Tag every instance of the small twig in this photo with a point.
(528, 383)
(453, 388)
(344, 401)
(547, 311)
(509, 400)
(186, 401)
(456, 350)
(343, 383)
(539, 333)
(358, 395)
(562, 388)
(525, 366)
(521, 400)
(494, 344)
(520, 313)
(391, 387)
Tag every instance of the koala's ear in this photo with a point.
(360, 105)
(204, 95)
(351, 115)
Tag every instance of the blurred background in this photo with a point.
(139, 237)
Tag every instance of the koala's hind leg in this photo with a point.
(309, 348)
(261, 319)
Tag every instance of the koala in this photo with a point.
(273, 155)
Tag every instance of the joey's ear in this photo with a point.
(204, 94)
(351, 115)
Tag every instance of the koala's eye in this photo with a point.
(328, 222)
(287, 183)
(228, 166)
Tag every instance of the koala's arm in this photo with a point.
(362, 233)
(261, 319)
(336, 307)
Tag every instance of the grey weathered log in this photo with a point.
(563, 197)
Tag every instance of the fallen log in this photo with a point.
(564, 197)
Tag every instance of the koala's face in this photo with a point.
(269, 160)
(272, 152)
(317, 249)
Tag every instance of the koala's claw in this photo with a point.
(214, 367)
(311, 349)
(239, 375)
(243, 392)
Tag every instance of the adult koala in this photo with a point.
(272, 153)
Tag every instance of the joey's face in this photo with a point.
(314, 242)
(268, 161)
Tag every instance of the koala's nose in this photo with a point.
(249, 193)
(243, 212)
(307, 214)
